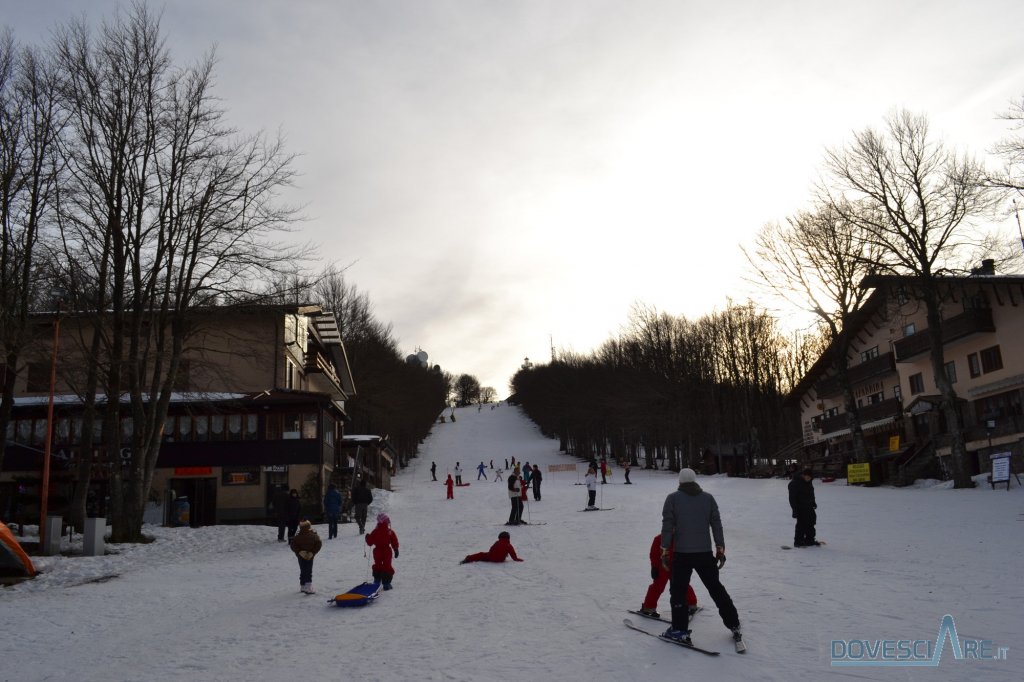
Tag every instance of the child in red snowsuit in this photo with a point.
(383, 540)
(660, 577)
(450, 484)
(499, 551)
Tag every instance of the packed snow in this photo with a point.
(223, 603)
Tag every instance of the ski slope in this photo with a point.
(222, 603)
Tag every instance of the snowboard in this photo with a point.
(629, 624)
(821, 543)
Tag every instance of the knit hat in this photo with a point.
(383, 519)
(503, 535)
(305, 524)
(687, 476)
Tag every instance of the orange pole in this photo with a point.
(45, 492)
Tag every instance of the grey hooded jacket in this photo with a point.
(686, 517)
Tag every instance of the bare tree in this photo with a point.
(914, 201)
(816, 261)
(31, 120)
(166, 210)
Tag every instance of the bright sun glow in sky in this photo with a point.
(501, 174)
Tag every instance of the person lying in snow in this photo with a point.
(499, 551)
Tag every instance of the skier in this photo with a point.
(361, 499)
(801, 499)
(527, 473)
(604, 471)
(591, 480)
(497, 475)
(516, 515)
(686, 517)
(499, 551)
(659, 579)
(383, 540)
(537, 478)
(481, 472)
(332, 510)
(450, 484)
(305, 545)
(433, 471)
(458, 474)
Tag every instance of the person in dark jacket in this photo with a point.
(801, 500)
(305, 545)
(515, 516)
(686, 518)
(433, 471)
(293, 512)
(280, 506)
(536, 480)
(361, 499)
(332, 510)
(499, 551)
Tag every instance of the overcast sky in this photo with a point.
(501, 175)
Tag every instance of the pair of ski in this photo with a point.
(597, 509)
(741, 648)
(820, 543)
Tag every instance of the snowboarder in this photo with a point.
(686, 517)
(361, 499)
(383, 540)
(332, 510)
(499, 551)
(536, 479)
(659, 579)
(514, 489)
(305, 545)
(450, 484)
(591, 481)
(433, 471)
(481, 472)
(458, 473)
(801, 500)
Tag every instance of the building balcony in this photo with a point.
(974, 321)
(868, 413)
(858, 373)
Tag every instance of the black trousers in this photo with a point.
(516, 514)
(305, 570)
(683, 566)
(804, 533)
(591, 497)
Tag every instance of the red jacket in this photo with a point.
(383, 540)
(499, 551)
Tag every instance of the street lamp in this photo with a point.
(44, 496)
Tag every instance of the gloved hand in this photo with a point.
(664, 559)
(396, 553)
(518, 559)
(720, 556)
(654, 572)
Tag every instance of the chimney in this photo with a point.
(987, 267)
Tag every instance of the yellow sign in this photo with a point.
(894, 443)
(858, 473)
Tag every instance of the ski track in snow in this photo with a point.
(222, 603)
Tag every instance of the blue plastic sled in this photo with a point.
(360, 595)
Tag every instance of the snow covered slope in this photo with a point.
(223, 603)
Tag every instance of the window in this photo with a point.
(273, 426)
(290, 379)
(869, 354)
(950, 368)
(897, 392)
(876, 398)
(39, 433)
(916, 383)
(991, 359)
(909, 329)
(168, 434)
(235, 427)
(201, 428)
(37, 377)
(973, 365)
(309, 425)
(292, 426)
(250, 427)
(182, 380)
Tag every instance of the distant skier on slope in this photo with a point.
(591, 480)
(801, 500)
(499, 551)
